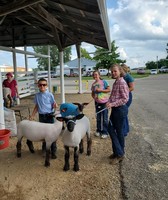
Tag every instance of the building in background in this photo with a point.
(87, 65)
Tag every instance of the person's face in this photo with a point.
(9, 77)
(96, 76)
(42, 86)
(115, 72)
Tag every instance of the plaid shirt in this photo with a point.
(120, 93)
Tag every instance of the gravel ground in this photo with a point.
(142, 175)
(26, 178)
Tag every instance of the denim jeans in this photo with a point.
(126, 122)
(101, 118)
(115, 129)
(50, 120)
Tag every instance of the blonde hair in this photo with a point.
(119, 67)
(125, 67)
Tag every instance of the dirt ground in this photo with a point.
(27, 178)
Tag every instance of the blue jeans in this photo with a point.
(126, 123)
(102, 118)
(115, 129)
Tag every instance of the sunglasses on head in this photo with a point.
(42, 85)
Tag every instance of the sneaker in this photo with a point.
(104, 136)
(116, 160)
(97, 134)
(112, 156)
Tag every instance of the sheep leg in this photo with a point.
(76, 156)
(18, 146)
(47, 160)
(89, 144)
(81, 148)
(30, 145)
(66, 166)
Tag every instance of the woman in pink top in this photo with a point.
(119, 110)
(12, 84)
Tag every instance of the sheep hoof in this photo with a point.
(76, 168)
(53, 156)
(66, 168)
(18, 155)
(32, 151)
(88, 153)
(81, 151)
(47, 164)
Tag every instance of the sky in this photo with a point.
(139, 28)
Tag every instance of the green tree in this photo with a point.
(54, 56)
(157, 64)
(151, 65)
(85, 54)
(106, 58)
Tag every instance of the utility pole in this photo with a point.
(157, 62)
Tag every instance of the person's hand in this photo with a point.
(98, 90)
(108, 105)
(31, 118)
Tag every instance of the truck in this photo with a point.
(104, 72)
(163, 69)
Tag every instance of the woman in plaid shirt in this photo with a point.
(119, 110)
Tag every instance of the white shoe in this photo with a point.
(104, 136)
(97, 134)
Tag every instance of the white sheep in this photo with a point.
(37, 131)
(77, 127)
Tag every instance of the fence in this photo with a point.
(27, 83)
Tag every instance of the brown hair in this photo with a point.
(119, 67)
(97, 71)
(42, 79)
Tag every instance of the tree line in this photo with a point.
(105, 58)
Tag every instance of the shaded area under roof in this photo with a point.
(53, 22)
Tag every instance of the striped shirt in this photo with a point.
(120, 93)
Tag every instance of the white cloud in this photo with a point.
(139, 29)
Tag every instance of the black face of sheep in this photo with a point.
(70, 121)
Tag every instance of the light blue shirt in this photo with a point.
(44, 101)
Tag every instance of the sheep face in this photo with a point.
(70, 121)
(71, 124)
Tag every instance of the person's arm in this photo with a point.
(34, 112)
(131, 86)
(93, 95)
(17, 92)
(103, 90)
(55, 105)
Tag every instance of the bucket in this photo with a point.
(4, 138)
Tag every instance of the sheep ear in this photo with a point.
(61, 119)
(80, 116)
(76, 103)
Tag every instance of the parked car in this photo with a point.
(140, 71)
(53, 75)
(153, 71)
(163, 69)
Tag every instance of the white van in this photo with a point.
(104, 72)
